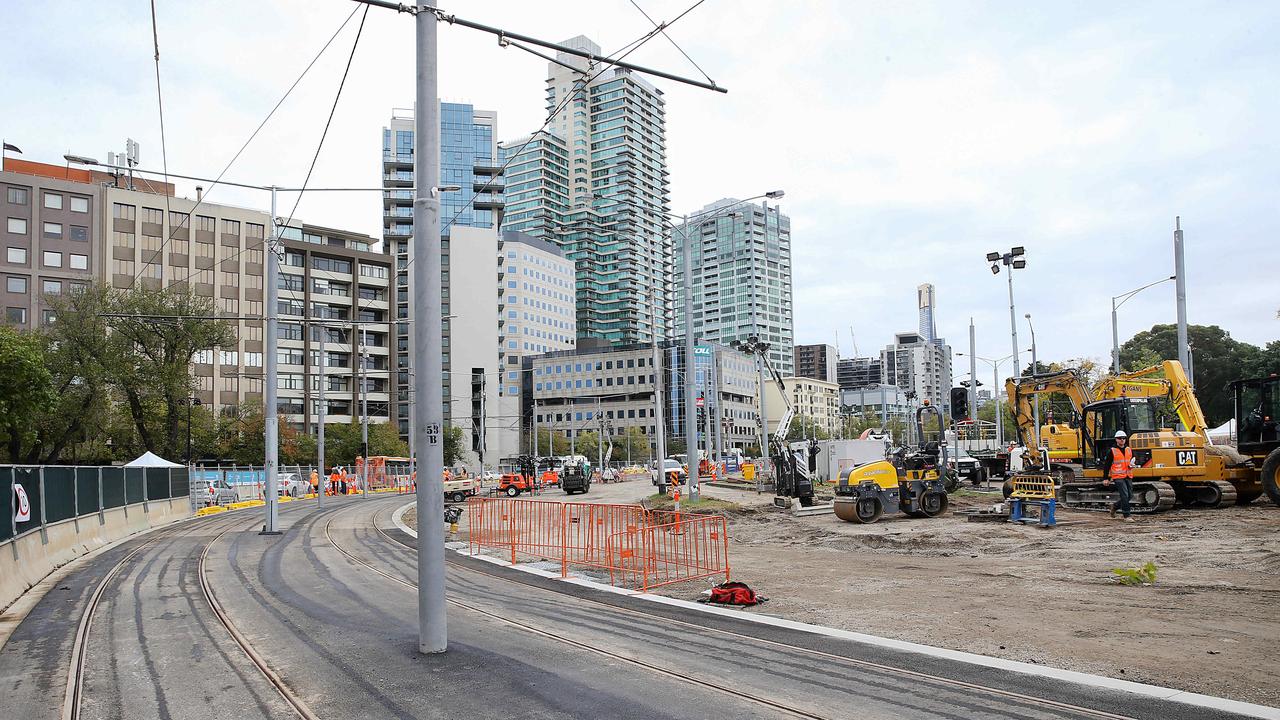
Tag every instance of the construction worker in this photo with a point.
(1120, 472)
(315, 482)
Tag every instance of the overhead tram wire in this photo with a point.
(164, 151)
(218, 180)
(672, 40)
(607, 63)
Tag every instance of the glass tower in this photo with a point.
(469, 160)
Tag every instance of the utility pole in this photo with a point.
(973, 374)
(535, 428)
(1180, 283)
(323, 408)
(690, 414)
(719, 418)
(428, 407)
(1034, 369)
(659, 431)
(271, 409)
(364, 408)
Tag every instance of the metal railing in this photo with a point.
(55, 492)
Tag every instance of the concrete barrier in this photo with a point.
(28, 558)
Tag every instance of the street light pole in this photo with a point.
(690, 414)
(428, 407)
(364, 409)
(322, 409)
(271, 411)
(1034, 369)
(1115, 331)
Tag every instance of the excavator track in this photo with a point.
(1149, 496)
(1207, 494)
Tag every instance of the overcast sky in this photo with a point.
(911, 138)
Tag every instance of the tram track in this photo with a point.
(825, 657)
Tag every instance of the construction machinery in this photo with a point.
(1174, 465)
(1257, 417)
(913, 484)
(575, 477)
(794, 464)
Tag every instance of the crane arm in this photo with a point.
(1020, 391)
(1175, 385)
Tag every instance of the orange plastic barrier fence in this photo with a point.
(691, 547)
(639, 549)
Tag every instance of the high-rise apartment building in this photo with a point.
(853, 373)
(469, 160)
(926, 301)
(537, 185)
(742, 277)
(602, 194)
(816, 361)
(919, 366)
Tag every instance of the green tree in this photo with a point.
(453, 445)
(26, 388)
(552, 443)
(586, 443)
(631, 443)
(804, 427)
(156, 334)
(1217, 358)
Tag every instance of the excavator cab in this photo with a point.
(1257, 415)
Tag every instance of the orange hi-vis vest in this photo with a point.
(1120, 462)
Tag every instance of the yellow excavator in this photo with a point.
(1175, 465)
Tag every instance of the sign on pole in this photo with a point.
(21, 504)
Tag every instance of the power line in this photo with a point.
(186, 220)
(164, 151)
(673, 42)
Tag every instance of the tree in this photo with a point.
(1217, 358)
(804, 428)
(585, 443)
(156, 340)
(552, 443)
(453, 445)
(26, 388)
(632, 443)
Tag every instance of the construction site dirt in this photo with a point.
(1207, 624)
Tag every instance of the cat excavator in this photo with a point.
(1174, 465)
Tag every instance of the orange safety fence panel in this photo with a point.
(693, 547)
(588, 527)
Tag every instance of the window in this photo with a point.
(17, 256)
(203, 357)
(373, 271)
(79, 204)
(155, 216)
(331, 264)
(123, 239)
(17, 196)
(253, 359)
(16, 315)
(204, 250)
(53, 201)
(253, 231)
(231, 227)
(53, 230)
(48, 317)
(120, 211)
(290, 282)
(78, 262)
(52, 259)
(179, 220)
(290, 331)
(15, 284)
(17, 226)
(123, 267)
(204, 223)
(227, 357)
(79, 233)
(52, 287)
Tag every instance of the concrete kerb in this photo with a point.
(1071, 676)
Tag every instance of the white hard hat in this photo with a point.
(1121, 434)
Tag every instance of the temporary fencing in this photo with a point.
(638, 548)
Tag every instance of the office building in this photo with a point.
(727, 381)
(920, 367)
(816, 361)
(883, 402)
(742, 281)
(469, 160)
(612, 126)
(52, 219)
(471, 346)
(217, 251)
(816, 400)
(853, 373)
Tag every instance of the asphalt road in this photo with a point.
(343, 638)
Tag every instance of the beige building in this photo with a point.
(811, 398)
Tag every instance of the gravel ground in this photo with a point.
(1208, 624)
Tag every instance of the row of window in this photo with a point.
(591, 415)
(51, 230)
(594, 382)
(17, 285)
(52, 200)
(588, 366)
(52, 259)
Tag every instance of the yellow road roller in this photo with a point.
(912, 484)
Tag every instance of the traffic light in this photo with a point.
(959, 403)
(477, 411)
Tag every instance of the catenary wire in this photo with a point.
(164, 150)
(186, 220)
(673, 42)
